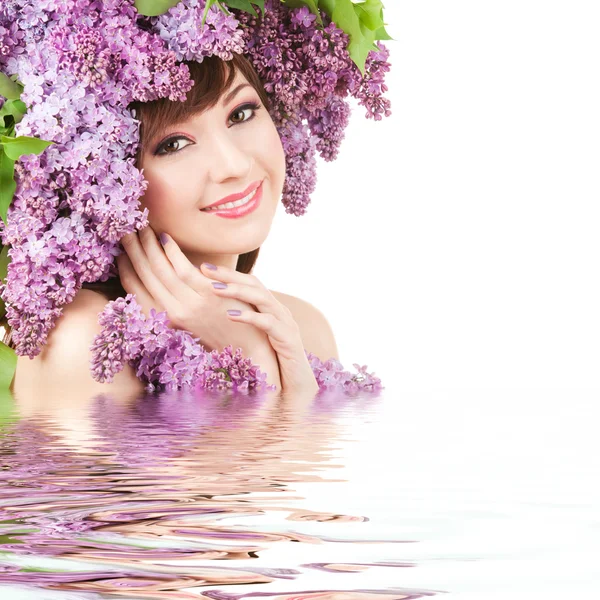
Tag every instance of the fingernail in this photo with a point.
(209, 266)
(218, 285)
(164, 238)
(234, 313)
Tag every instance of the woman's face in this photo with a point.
(219, 152)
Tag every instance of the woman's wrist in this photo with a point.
(262, 354)
(297, 375)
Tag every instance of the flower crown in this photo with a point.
(69, 189)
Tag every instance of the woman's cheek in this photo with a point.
(276, 156)
(169, 189)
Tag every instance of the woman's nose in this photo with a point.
(227, 159)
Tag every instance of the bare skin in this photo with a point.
(195, 164)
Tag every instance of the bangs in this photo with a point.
(212, 77)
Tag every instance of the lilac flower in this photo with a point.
(162, 357)
(300, 181)
(171, 359)
(303, 17)
(180, 29)
(81, 65)
(308, 72)
(330, 375)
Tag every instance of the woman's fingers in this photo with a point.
(264, 321)
(184, 269)
(161, 265)
(284, 336)
(137, 255)
(131, 283)
(247, 288)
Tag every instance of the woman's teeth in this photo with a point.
(232, 204)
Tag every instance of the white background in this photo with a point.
(456, 243)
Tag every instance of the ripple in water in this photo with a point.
(179, 495)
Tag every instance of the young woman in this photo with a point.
(195, 261)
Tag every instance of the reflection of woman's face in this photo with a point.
(219, 152)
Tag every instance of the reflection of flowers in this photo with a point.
(132, 584)
(59, 526)
(400, 594)
(176, 419)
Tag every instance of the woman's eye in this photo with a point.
(241, 115)
(247, 108)
(172, 146)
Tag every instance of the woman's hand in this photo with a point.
(274, 318)
(162, 277)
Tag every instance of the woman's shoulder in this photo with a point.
(315, 330)
(78, 321)
(65, 358)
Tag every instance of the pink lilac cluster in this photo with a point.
(82, 63)
(308, 73)
(172, 359)
(165, 358)
(330, 375)
(181, 29)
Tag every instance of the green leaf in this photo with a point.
(153, 8)
(362, 22)
(327, 6)
(8, 410)
(20, 106)
(4, 260)
(10, 89)
(246, 5)
(382, 34)
(12, 108)
(7, 183)
(361, 37)
(22, 145)
(8, 365)
(209, 3)
(370, 13)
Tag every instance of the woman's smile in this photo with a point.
(239, 208)
(235, 199)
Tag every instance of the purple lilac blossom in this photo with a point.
(172, 359)
(308, 72)
(82, 63)
(92, 61)
(165, 358)
(180, 28)
(331, 375)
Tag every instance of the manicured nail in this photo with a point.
(218, 285)
(164, 238)
(234, 313)
(209, 266)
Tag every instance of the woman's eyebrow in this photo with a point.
(235, 90)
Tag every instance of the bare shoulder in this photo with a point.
(315, 330)
(65, 358)
(77, 326)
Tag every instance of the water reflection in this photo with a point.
(178, 495)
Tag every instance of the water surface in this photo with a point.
(200, 495)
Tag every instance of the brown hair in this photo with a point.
(212, 77)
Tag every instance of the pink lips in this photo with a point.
(239, 211)
(234, 197)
